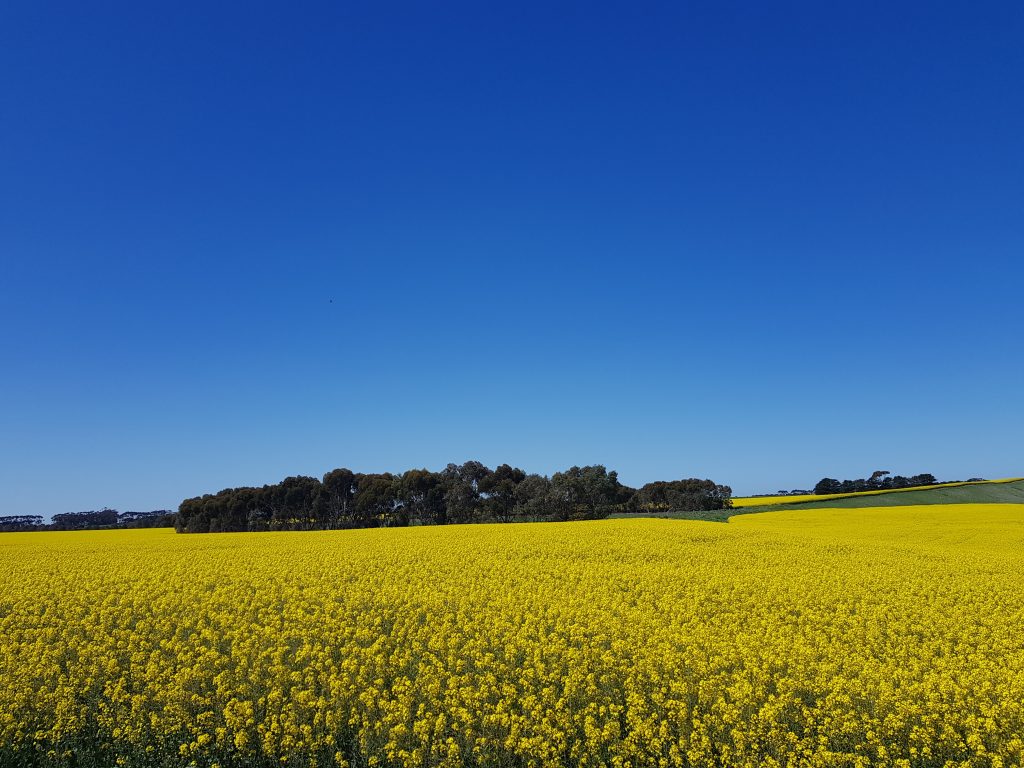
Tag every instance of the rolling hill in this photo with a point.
(1006, 491)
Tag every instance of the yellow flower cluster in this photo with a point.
(812, 638)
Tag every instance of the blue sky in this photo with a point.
(757, 243)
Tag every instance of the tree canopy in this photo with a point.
(460, 493)
(880, 480)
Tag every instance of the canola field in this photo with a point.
(881, 637)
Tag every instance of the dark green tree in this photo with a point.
(532, 499)
(378, 501)
(827, 485)
(499, 488)
(585, 493)
(422, 494)
(462, 491)
(336, 504)
(687, 495)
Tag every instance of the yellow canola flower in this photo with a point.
(872, 637)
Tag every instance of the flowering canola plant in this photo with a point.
(888, 637)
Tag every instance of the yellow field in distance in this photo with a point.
(757, 501)
(876, 637)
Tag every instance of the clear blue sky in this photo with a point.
(761, 243)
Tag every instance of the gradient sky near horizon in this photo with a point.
(761, 243)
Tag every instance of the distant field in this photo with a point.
(995, 492)
(889, 637)
(1007, 491)
(762, 501)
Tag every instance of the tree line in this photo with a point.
(91, 520)
(879, 481)
(460, 493)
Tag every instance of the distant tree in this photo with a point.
(263, 507)
(500, 489)
(13, 523)
(188, 511)
(422, 494)
(877, 475)
(239, 507)
(77, 521)
(827, 485)
(879, 480)
(682, 496)
(158, 518)
(462, 491)
(584, 493)
(227, 510)
(336, 504)
(294, 502)
(378, 501)
(531, 499)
